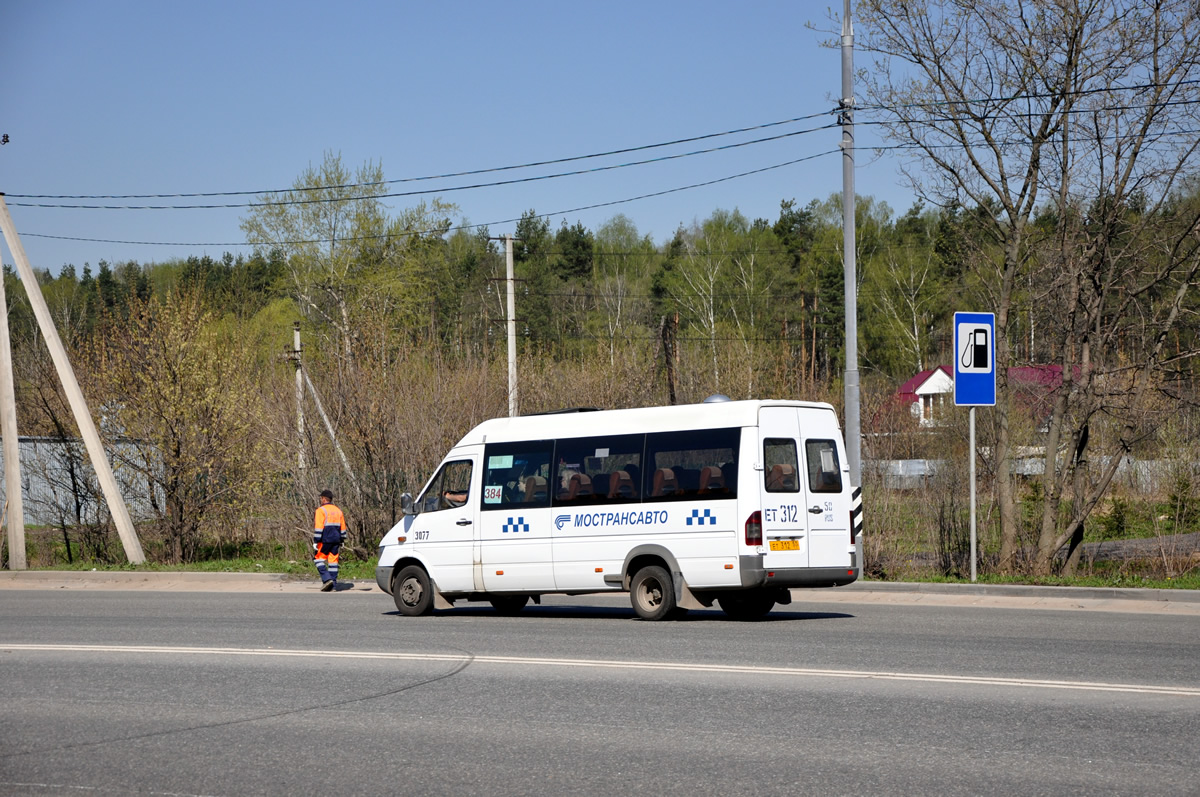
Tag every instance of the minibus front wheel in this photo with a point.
(652, 593)
(412, 591)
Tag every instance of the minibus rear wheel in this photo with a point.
(652, 593)
(508, 605)
(412, 591)
(748, 605)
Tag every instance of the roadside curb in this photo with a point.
(1027, 591)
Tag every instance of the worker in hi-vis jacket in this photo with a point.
(329, 532)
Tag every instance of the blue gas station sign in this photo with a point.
(974, 359)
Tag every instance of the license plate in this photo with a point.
(785, 545)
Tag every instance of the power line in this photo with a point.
(651, 338)
(452, 229)
(1008, 142)
(1030, 96)
(447, 175)
(867, 108)
(421, 192)
(626, 150)
(608, 153)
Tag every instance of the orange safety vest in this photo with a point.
(329, 525)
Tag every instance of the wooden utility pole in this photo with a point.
(83, 416)
(668, 338)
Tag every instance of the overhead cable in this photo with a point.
(865, 108)
(1027, 96)
(452, 229)
(445, 190)
(467, 173)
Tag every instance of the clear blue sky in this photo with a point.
(104, 98)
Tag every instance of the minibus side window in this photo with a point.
(692, 465)
(824, 471)
(449, 489)
(517, 475)
(779, 465)
(598, 470)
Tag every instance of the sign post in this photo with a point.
(974, 383)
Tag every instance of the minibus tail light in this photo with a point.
(754, 529)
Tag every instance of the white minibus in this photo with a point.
(735, 502)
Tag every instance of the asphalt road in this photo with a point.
(139, 691)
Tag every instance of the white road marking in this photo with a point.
(60, 787)
(738, 669)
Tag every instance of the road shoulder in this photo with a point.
(1015, 596)
(1139, 601)
(167, 581)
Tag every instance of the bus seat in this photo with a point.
(635, 476)
(564, 485)
(535, 489)
(729, 472)
(711, 479)
(580, 486)
(621, 485)
(664, 483)
(781, 479)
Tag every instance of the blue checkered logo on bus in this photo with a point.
(514, 527)
(697, 519)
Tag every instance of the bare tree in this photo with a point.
(322, 224)
(177, 391)
(908, 301)
(622, 258)
(755, 273)
(699, 276)
(1075, 107)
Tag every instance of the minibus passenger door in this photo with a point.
(784, 511)
(444, 532)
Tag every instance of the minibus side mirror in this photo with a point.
(406, 504)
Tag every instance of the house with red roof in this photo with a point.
(927, 393)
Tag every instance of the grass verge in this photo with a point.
(348, 569)
(1116, 581)
(365, 570)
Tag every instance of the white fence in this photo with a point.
(49, 494)
(1139, 475)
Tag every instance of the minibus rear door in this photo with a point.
(784, 513)
(827, 483)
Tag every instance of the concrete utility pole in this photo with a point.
(512, 327)
(295, 356)
(14, 509)
(853, 425)
(83, 417)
